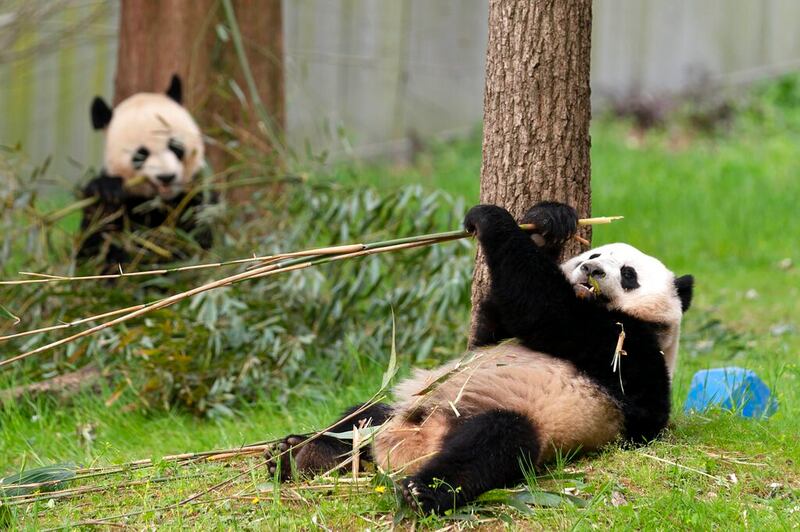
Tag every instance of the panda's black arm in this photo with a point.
(528, 294)
(108, 189)
(488, 329)
(104, 216)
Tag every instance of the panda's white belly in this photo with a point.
(569, 411)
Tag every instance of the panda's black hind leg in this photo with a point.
(324, 452)
(480, 453)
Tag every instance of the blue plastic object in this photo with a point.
(736, 389)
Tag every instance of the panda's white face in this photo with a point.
(153, 144)
(623, 278)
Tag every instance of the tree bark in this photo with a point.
(537, 110)
(160, 38)
(261, 27)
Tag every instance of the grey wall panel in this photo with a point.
(364, 75)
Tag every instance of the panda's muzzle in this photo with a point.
(166, 179)
(593, 270)
(587, 287)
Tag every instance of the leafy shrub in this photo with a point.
(270, 335)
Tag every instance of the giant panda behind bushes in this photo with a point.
(153, 154)
(541, 378)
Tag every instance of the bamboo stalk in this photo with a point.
(158, 304)
(49, 278)
(373, 400)
(295, 261)
(72, 323)
(82, 474)
(331, 250)
(599, 220)
(71, 492)
(85, 202)
(78, 205)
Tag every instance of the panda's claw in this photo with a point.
(555, 222)
(284, 451)
(425, 499)
(293, 441)
(411, 494)
(279, 456)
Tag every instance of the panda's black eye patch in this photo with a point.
(629, 279)
(139, 157)
(594, 256)
(177, 148)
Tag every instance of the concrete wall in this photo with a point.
(377, 70)
(668, 45)
(364, 75)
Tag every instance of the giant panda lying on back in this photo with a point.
(540, 379)
(153, 149)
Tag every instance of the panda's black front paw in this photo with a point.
(280, 455)
(305, 455)
(482, 217)
(426, 498)
(109, 189)
(555, 222)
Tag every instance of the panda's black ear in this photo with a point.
(101, 113)
(685, 286)
(175, 91)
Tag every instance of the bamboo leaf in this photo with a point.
(548, 499)
(466, 359)
(523, 500)
(391, 370)
(5, 313)
(519, 505)
(577, 501)
(47, 478)
(364, 433)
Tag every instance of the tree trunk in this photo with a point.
(536, 110)
(261, 27)
(160, 38)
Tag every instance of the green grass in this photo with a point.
(723, 208)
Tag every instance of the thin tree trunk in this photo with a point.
(261, 26)
(536, 110)
(162, 38)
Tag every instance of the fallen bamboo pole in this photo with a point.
(331, 250)
(270, 266)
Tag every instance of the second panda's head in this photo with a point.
(151, 142)
(623, 278)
